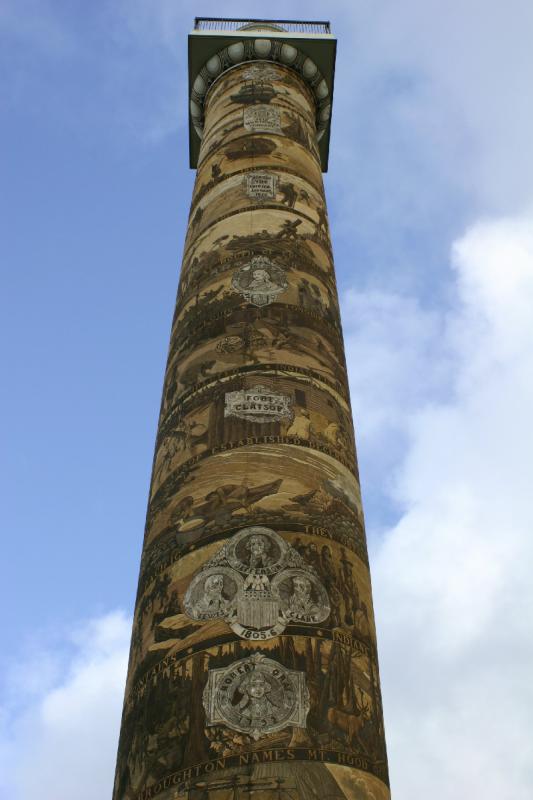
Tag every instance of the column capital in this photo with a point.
(217, 45)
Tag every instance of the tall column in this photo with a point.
(253, 668)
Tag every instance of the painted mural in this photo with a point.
(253, 668)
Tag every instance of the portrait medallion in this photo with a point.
(260, 281)
(256, 696)
(212, 593)
(258, 584)
(302, 596)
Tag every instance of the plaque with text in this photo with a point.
(262, 119)
(258, 404)
(260, 185)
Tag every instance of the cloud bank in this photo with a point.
(59, 725)
(453, 593)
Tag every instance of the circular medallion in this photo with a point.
(258, 551)
(212, 593)
(301, 596)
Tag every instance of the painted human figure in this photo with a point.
(174, 445)
(313, 557)
(335, 601)
(334, 434)
(361, 622)
(301, 601)
(351, 592)
(213, 598)
(289, 195)
(289, 229)
(301, 425)
(304, 294)
(299, 546)
(282, 338)
(256, 703)
(261, 282)
(322, 222)
(170, 387)
(258, 547)
(327, 567)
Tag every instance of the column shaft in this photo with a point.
(253, 668)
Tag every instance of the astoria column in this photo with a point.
(253, 668)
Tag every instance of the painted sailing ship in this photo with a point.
(254, 91)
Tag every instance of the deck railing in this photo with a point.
(289, 25)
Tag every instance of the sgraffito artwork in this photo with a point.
(258, 404)
(256, 696)
(253, 667)
(260, 282)
(259, 584)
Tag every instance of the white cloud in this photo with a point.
(453, 594)
(59, 732)
(381, 376)
(453, 78)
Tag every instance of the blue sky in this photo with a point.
(430, 202)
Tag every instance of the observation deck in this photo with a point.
(218, 43)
